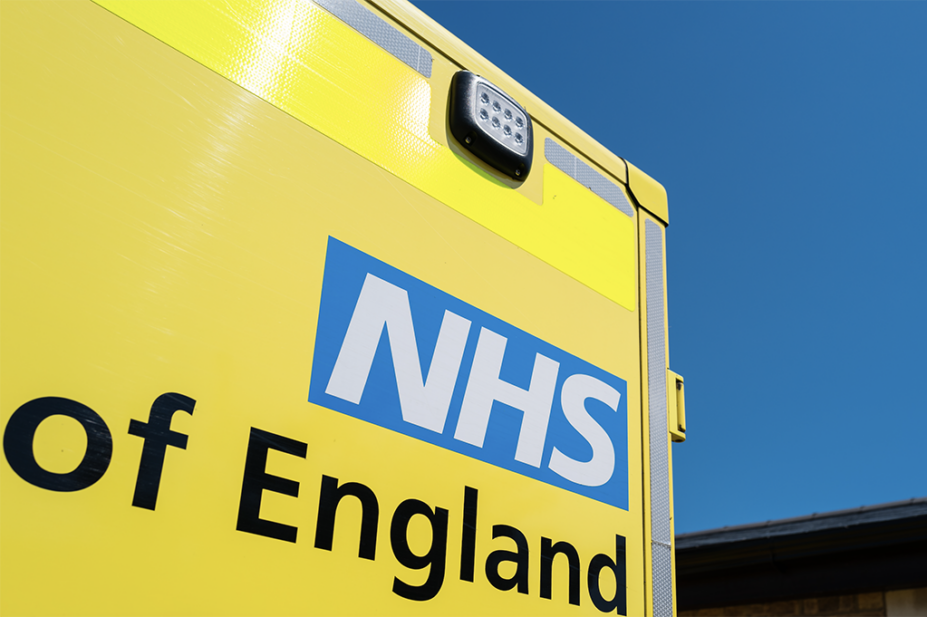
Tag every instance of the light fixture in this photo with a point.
(490, 125)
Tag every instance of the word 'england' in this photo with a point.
(334, 492)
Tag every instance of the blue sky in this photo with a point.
(792, 140)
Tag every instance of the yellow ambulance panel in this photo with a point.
(273, 342)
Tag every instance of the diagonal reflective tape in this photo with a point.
(380, 32)
(571, 165)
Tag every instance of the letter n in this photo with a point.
(424, 402)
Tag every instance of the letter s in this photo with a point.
(597, 470)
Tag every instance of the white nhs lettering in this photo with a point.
(425, 400)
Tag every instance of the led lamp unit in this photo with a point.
(491, 125)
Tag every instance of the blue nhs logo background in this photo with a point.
(396, 352)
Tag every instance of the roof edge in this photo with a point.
(422, 27)
(772, 525)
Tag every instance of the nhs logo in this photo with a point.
(396, 352)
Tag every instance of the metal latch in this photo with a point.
(676, 406)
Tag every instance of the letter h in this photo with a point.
(484, 387)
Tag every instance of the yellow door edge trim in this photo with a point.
(649, 193)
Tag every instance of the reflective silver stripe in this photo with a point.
(662, 580)
(659, 456)
(569, 164)
(380, 32)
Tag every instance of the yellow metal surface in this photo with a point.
(164, 230)
(649, 193)
(301, 59)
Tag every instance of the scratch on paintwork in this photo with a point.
(75, 162)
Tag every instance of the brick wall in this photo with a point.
(853, 605)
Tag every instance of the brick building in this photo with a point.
(865, 561)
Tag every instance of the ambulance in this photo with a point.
(306, 308)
